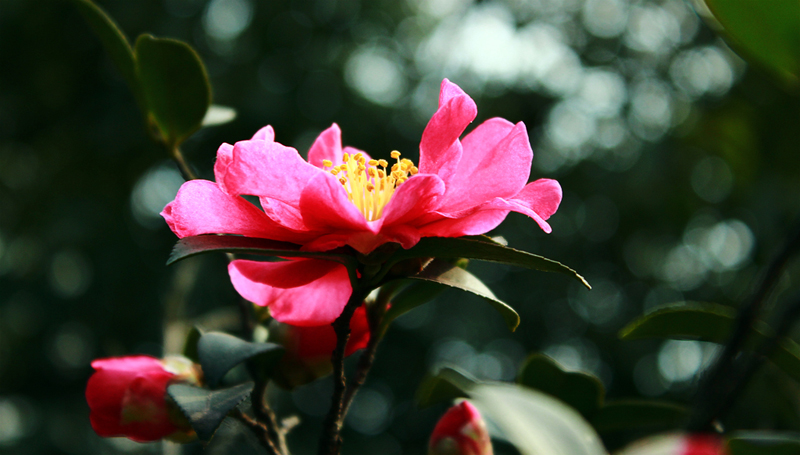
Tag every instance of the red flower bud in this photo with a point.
(678, 444)
(127, 397)
(460, 431)
(309, 349)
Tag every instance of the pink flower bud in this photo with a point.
(677, 444)
(127, 397)
(309, 349)
(460, 431)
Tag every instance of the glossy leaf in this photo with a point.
(710, 322)
(443, 273)
(764, 443)
(191, 246)
(115, 43)
(218, 115)
(445, 386)
(175, 86)
(582, 391)
(638, 414)
(219, 352)
(479, 248)
(190, 345)
(206, 409)
(767, 33)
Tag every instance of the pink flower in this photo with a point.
(460, 431)
(126, 396)
(678, 444)
(343, 197)
(309, 349)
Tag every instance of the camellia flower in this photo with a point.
(308, 349)
(341, 196)
(678, 444)
(127, 397)
(460, 431)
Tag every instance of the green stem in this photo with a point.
(183, 165)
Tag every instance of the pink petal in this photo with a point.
(303, 292)
(283, 213)
(201, 207)
(476, 223)
(542, 196)
(418, 196)
(496, 163)
(268, 169)
(353, 151)
(224, 157)
(438, 154)
(264, 134)
(327, 146)
(324, 205)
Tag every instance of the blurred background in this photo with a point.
(678, 164)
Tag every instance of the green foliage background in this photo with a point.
(82, 255)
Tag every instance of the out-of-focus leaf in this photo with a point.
(444, 273)
(191, 246)
(582, 391)
(175, 86)
(218, 115)
(710, 322)
(206, 409)
(532, 421)
(115, 43)
(485, 250)
(190, 345)
(638, 414)
(447, 385)
(767, 33)
(219, 352)
(764, 443)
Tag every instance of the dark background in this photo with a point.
(678, 164)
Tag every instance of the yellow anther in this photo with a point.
(372, 172)
(401, 181)
(346, 157)
(395, 154)
(342, 180)
(381, 174)
(358, 156)
(335, 171)
(395, 167)
(413, 170)
(398, 175)
(373, 162)
(383, 163)
(370, 187)
(327, 163)
(405, 166)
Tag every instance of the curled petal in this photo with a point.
(224, 157)
(264, 134)
(542, 196)
(267, 169)
(303, 292)
(201, 207)
(496, 163)
(327, 146)
(476, 223)
(419, 195)
(324, 204)
(437, 152)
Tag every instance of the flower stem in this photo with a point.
(266, 417)
(183, 165)
(331, 441)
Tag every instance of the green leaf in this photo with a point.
(218, 115)
(767, 33)
(219, 352)
(710, 322)
(447, 385)
(191, 246)
(175, 86)
(638, 414)
(206, 409)
(582, 391)
(764, 443)
(443, 273)
(190, 345)
(480, 248)
(115, 44)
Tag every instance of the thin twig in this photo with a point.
(265, 415)
(717, 386)
(259, 429)
(331, 441)
(183, 165)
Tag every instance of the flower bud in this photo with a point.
(677, 444)
(460, 431)
(128, 397)
(309, 349)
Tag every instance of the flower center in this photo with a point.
(369, 184)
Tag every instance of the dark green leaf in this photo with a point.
(447, 385)
(191, 246)
(582, 391)
(764, 443)
(767, 33)
(638, 414)
(480, 248)
(218, 115)
(444, 273)
(219, 352)
(175, 86)
(190, 345)
(115, 43)
(206, 409)
(710, 322)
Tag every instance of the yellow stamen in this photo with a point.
(369, 187)
(327, 163)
